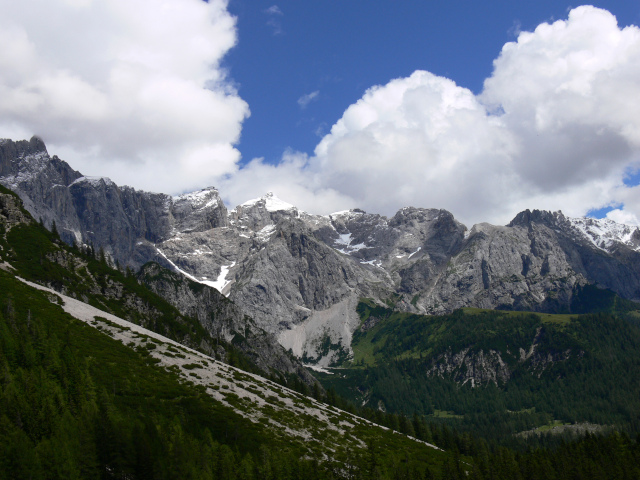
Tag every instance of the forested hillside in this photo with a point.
(497, 373)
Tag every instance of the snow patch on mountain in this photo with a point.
(29, 167)
(271, 203)
(207, 197)
(604, 233)
(178, 269)
(266, 232)
(344, 239)
(221, 282)
(94, 181)
(346, 214)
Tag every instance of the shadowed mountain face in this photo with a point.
(94, 210)
(167, 302)
(299, 276)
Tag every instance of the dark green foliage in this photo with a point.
(593, 375)
(75, 403)
(7, 191)
(592, 299)
(40, 256)
(594, 457)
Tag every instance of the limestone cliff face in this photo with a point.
(127, 224)
(41, 182)
(11, 212)
(477, 368)
(293, 275)
(222, 318)
(299, 275)
(93, 210)
(534, 263)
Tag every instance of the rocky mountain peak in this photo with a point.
(19, 161)
(11, 211)
(261, 212)
(270, 202)
(24, 147)
(199, 211)
(95, 182)
(413, 214)
(300, 275)
(605, 233)
(36, 144)
(545, 217)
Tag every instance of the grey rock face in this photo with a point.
(257, 214)
(94, 210)
(222, 318)
(10, 212)
(477, 368)
(534, 263)
(199, 211)
(293, 270)
(41, 182)
(127, 224)
(299, 276)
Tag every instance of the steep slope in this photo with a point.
(105, 398)
(271, 264)
(208, 321)
(535, 263)
(299, 276)
(222, 319)
(95, 211)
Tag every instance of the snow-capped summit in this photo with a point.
(604, 233)
(31, 159)
(256, 214)
(346, 214)
(270, 202)
(94, 181)
(206, 197)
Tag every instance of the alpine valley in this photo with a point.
(221, 321)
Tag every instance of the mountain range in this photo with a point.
(150, 336)
(299, 276)
(103, 379)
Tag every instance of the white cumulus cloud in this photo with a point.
(622, 216)
(556, 127)
(132, 89)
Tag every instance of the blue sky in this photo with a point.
(480, 108)
(341, 48)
